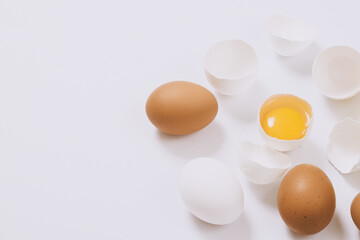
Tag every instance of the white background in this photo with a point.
(79, 158)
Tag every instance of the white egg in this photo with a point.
(261, 164)
(336, 70)
(343, 149)
(285, 100)
(231, 67)
(289, 36)
(211, 191)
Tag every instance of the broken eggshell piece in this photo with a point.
(261, 164)
(336, 70)
(231, 66)
(290, 102)
(343, 149)
(289, 36)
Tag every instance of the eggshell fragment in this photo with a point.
(336, 70)
(289, 36)
(343, 149)
(261, 164)
(306, 199)
(180, 107)
(231, 66)
(355, 210)
(211, 191)
(285, 100)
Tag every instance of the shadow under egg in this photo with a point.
(335, 229)
(308, 153)
(240, 229)
(267, 193)
(198, 144)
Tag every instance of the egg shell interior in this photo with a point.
(336, 70)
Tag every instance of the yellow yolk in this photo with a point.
(285, 123)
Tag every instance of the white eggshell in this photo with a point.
(336, 70)
(211, 191)
(261, 164)
(231, 66)
(289, 36)
(343, 149)
(280, 144)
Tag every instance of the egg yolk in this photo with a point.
(285, 123)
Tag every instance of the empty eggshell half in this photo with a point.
(285, 101)
(336, 70)
(261, 164)
(343, 149)
(231, 66)
(289, 36)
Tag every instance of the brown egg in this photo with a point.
(181, 108)
(355, 211)
(306, 199)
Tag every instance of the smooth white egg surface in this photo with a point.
(211, 191)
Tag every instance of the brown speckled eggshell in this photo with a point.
(306, 199)
(355, 210)
(181, 107)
